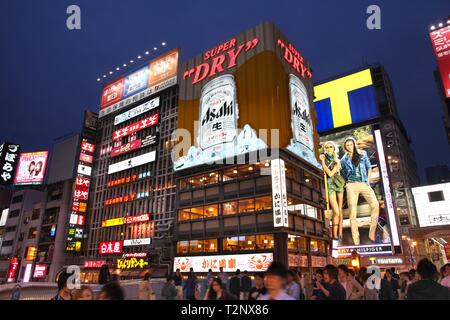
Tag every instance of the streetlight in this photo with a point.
(355, 260)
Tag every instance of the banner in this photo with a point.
(31, 168)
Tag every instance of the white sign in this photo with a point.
(140, 109)
(4, 217)
(387, 189)
(386, 261)
(433, 204)
(133, 162)
(136, 242)
(26, 277)
(245, 262)
(279, 195)
(86, 170)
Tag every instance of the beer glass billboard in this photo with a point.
(254, 81)
(359, 192)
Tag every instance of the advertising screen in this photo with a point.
(159, 74)
(432, 204)
(440, 40)
(368, 220)
(254, 81)
(31, 168)
(346, 100)
(251, 262)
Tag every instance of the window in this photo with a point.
(231, 243)
(210, 245)
(17, 199)
(297, 243)
(184, 214)
(230, 207)
(182, 247)
(200, 180)
(14, 213)
(197, 213)
(436, 196)
(247, 205)
(263, 203)
(247, 243)
(32, 233)
(265, 241)
(211, 211)
(10, 229)
(36, 214)
(195, 246)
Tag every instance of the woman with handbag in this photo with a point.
(335, 185)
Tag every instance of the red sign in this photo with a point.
(118, 200)
(140, 218)
(223, 57)
(121, 181)
(112, 93)
(130, 146)
(86, 158)
(294, 58)
(440, 40)
(80, 193)
(136, 255)
(135, 127)
(40, 271)
(82, 182)
(86, 146)
(13, 268)
(94, 264)
(110, 247)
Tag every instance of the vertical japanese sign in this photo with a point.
(9, 156)
(13, 269)
(80, 195)
(440, 40)
(279, 195)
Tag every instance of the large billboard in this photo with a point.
(440, 40)
(159, 74)
(31, 168)
(433, 204)
(9, 157)
(254, 81)
(344, 101)
(362, 191)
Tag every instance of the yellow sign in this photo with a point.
(337, 91)
(132, 263)
(112, 222)
(31, 253)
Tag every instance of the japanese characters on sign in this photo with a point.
(112, 93)
(112, 222)
(94, 264)
(135, 127)
(257, 262)
(110, 247)
(13, 269)
(40, 271)
(31, 168)
(279, 195)
(440, 40)
(121, 181)
(135, 255)
(130, 146)
(137, 242)
(132, 162)
(122, 199)
(9, 157)
(131, 263)
(139, 218)
(140, 109)
(432, 204)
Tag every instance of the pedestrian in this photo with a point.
(395, 274)
(275, 281)
(317, 294)
(217, 291)
(445, 275)
(206, 283)
(64, 293)
(17, 291)
(235, 283)
(292, 287)
(84, 293)
(223, 277)
(352, 287)
(404, 283)
(169, 290)
(246, 286)
(427, 288)
(413, 275)
(178, 281)
(189, 287)
(332, 289)
(111, 291)
(259, 289)
(145, 288)
(308, 288)
(390, 277)
(104, 276)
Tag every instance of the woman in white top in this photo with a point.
(352, 287)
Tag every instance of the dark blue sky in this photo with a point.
(48, 73)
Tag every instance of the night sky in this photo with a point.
(48, 73)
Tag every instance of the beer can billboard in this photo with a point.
(256, 80)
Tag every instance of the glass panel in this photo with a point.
(314, 245)
(204, 179)
(247, 243)
(196, 246)
(183, 214)
(197, 213)
(247, 205)
(230, 207)
(211, 211)
(211, 245)
(182, 247)
(264, 241)
(230, 174)
(231, 244)
(263, 203)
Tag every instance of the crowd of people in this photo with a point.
(279, 283)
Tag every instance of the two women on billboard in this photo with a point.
(355, 175)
